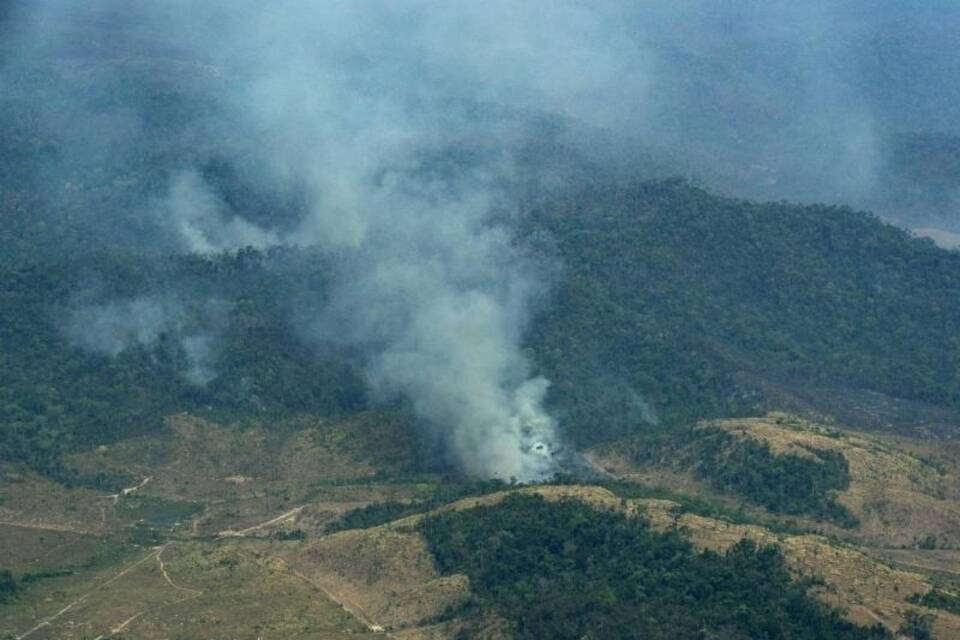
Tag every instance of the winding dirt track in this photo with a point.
(49, 526)
(229, 533)
(47, 621)
(194, 593)
(166, 576)
(123, 625)
(45, 526)
(157, 554)
(348, 606)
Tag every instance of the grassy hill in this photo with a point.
(286, 526)
(880, 490)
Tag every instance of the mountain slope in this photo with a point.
(680, 304)
(671, 305)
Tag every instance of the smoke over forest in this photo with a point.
(401, 139)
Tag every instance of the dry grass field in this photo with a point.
(191, 549)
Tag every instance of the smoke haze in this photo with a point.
(391, 135)
(113, 327)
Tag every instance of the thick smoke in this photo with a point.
(398, 130)
(764, 98)
(430, 287)
(439, 303)
(204, 222)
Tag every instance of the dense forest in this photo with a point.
(672, 305)
(937, 599)
(378, 513)
(272, 221)
(679, 304)
(664, 303)
(565, 570)
(790, 484)
(781, 482)
(56, 396)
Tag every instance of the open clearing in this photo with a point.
(202, 548)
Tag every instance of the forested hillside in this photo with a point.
(671, 304)
(664, 303)
(565, 570)
(479, 320)
(57, 396)
(677, 304)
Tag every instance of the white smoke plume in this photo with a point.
(430, 287)
(439, 304)
(113, 327)
(359, 109)
(203, 221)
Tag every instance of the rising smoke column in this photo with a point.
(438, 305)
(430, 289)
(356, 108)
(348, 106)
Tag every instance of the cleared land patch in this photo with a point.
(901, 492)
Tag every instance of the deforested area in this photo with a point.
(504, 320)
